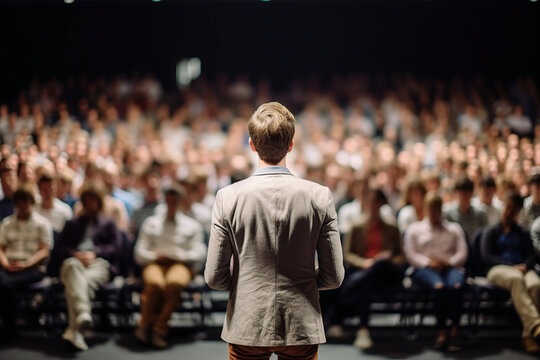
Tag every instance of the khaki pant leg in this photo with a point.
(75, 288)
(513, 280)
(532, 281)
(152, 296)
(97, 274)
(177, 278)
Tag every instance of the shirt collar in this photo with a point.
(272, 170)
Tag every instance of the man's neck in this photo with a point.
(464, 208)
(485, 200)
(151, 198)
(23, 217)
(47, 203)
(171, 215)
(263, 164)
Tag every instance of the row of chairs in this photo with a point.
(116, 302)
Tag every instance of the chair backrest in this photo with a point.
(475, 256)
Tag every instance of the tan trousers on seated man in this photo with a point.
(525, 292)
(80, 285)
(163, 285)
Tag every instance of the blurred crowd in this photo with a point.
(384, 128)
(470, 142)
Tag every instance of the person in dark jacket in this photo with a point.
(375, 257)
(508, 257)
(88, 246)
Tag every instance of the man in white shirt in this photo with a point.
(171, 247)
(25, 242)
(51, 208)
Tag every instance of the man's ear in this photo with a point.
(290, 146)
(252, 146)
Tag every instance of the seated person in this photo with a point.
(508, 257)
(470, 217)
(373, 251)
(8, 178)
(413, 200)
(531, 205)
(88, 246)
(535, 235)
(51, 208)
(437, 250)
(171, 247)
(25, 240)
(485, 199)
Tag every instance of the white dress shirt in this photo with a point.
(181, 240)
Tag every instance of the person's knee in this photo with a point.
(153, 288)
(534, 289)
(438, 286)
(69, 265)
(516, 279)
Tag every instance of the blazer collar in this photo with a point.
(272, 170)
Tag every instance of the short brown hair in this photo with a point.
(271, 129)
(93, 189)
(24, 192)
(433, 200)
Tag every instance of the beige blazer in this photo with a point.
(274, 243)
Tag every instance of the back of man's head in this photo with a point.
(271, 129)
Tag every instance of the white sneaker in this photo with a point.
(363, 340)
(75, 338)
(84, 321)
(335, 332)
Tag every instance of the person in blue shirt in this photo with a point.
(508, 257)
(8, 178)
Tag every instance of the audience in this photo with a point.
(531, 205)
(509, 259)
(437, 251)
(535, 236)
(25, 242)
(54, 210)
(472, 142)
(413, 200)
(375, 257)
(484, 200)
(9, 184)
(461, 211)
(89, 246)
(171, 248)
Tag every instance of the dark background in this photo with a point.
(277, 39)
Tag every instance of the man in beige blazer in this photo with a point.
(274, 243)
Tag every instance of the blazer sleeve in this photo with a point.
(62, 248)
(218, 263)
(109, 242)
(329, 251)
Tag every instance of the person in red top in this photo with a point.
(375, 257)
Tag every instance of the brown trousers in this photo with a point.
(161, 295)
(296, 352)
